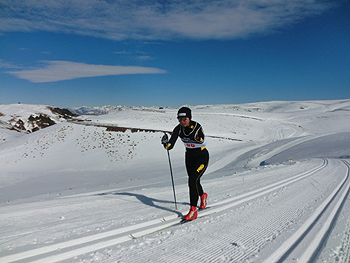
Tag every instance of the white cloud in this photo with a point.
(137, 19)
(65, 70)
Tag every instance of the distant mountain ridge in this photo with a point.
(87, 110)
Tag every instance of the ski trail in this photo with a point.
(83, 240)
(286, 248)
(261, 191)
(248, 239)
(322, 234)
(117, 236)
(254, 162)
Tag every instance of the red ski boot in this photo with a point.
(204, 198)
(192, 214)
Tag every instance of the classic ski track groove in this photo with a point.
(68, 249)
(313, 248)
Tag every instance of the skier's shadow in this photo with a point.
(151, 201)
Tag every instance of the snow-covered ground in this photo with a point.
(278, 184)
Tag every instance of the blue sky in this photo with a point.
(71, 53)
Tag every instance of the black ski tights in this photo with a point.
(196, 163)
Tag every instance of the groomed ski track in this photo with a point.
(263, 226)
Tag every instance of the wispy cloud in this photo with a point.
(144, 58)
(8, 65)
(156, 20)
(65, 70)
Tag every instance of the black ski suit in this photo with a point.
(196, 158)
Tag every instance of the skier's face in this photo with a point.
(184, 121)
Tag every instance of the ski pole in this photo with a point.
(172, 179)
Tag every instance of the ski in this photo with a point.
(165, 224)
(183, 221)
(202, 209)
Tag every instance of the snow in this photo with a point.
(278, 183)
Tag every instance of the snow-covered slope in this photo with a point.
(83, 192)
(30, 118)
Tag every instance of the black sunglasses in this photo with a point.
(182, 118)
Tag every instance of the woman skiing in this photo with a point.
(196, 158)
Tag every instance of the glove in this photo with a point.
(165, 139)
(165, 142)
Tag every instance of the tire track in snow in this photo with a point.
(324, 216)
(69, 249)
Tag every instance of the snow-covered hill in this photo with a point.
(30, 118)
(95, 190)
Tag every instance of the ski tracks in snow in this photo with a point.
(307, 242)
(318, 226)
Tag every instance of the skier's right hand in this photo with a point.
(165, 139)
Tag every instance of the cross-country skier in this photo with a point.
(196, 158)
